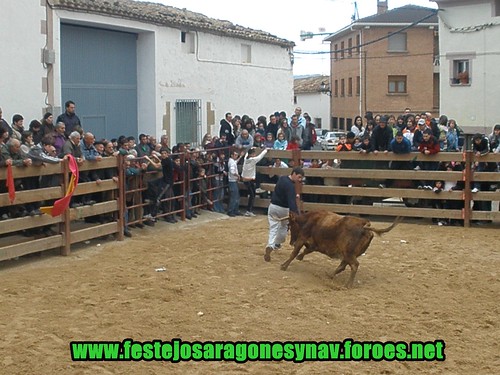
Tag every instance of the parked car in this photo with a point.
(330, 140)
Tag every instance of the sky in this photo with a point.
(287, 18)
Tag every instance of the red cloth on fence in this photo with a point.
(9, 183)
(62, 204)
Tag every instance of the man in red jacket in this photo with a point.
(429, 146)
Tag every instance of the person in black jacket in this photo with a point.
(282, 202)
(382, 136)
(227, 129)
(381, 139)
(69, 118)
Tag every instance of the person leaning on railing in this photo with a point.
(428, 146)
(12, 155)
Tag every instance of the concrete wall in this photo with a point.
(167, 71)
(21, 71)
(475, 105)
(317, 105)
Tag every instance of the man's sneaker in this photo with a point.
(475, 190)
(259, 191)
(267, 255)
(417, 168)
(428, 187)
(382, 186)
(249, 213)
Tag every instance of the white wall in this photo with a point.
(475, 105)
(166, 72)
(21, 69)
(317, 105)
(216, 74)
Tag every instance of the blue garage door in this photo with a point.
(99, 73)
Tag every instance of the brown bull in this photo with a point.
(344, 237)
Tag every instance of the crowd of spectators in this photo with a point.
(195, 178)
(378, 133)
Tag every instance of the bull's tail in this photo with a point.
(388, 229)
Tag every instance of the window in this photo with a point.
(336, 92)
(317, 122)
(336, 49)
(349, 87)
(246, 53)
(342, 46)
(349, 45)
(295, 99)
(461, 72)
(342, 87)
(397, 84)
(188, 120)
(187, 40)
(358, 42)
(358, 85)
(335, 122)
(397, 43)
(349, 124)
(496, 8)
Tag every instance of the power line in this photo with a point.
(369, 42)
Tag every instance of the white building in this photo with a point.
(469, 45)
(134, 67)
(312, 94)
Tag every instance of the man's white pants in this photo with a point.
(278, 229)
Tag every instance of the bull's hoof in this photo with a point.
(348, 285)
(284, 267)
(300, 257)
(267, 255)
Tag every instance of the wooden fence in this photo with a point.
(12, 241)
(359, 184)
(362, 181)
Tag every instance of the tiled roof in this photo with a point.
(310, 84)
(405, 14)
(165, 15)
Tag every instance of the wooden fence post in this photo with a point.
(296, 157)
(121, 196)
(467, 212)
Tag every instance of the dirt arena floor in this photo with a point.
(417, 283)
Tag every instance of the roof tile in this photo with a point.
(168, 16)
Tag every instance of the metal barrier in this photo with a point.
(116, 196)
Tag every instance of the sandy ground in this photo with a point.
(443, 283)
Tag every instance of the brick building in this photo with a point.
(375, 69)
